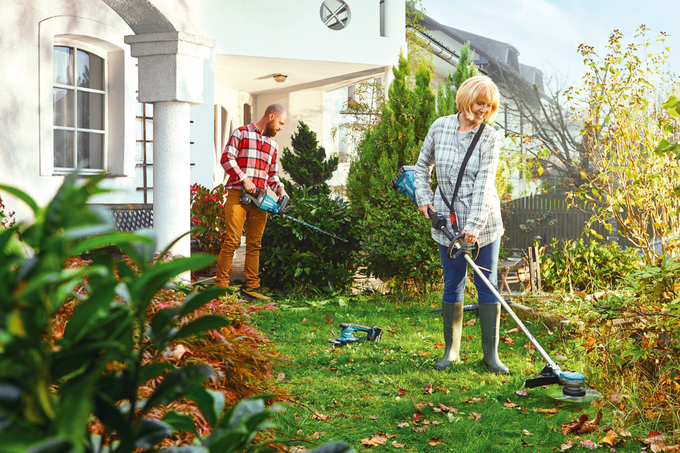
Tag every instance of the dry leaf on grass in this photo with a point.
(179, 351)
(318, 416)
(471, 322)
(316, 435)
(474, 400)
(589, 444)
(552, 410)
(443, 389)
(508, 340)
(526, 432)
(418, 416)
(403, 425)
(420, 429)
(475, 415)
(374, 440)
(422, 354)
(611, 438)
(280, 376)
(624, 433)
(581, 425)
(439, 345)
(435, 442)
(402, 391)
(373, 417)
(396, 444)
(390, 436)
(515, 330)
(446, 408)
(509, 403)
(428, 388)
(566, 446)
(523, 392)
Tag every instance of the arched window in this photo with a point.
(79, 108)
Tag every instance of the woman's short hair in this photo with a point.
(478, 88)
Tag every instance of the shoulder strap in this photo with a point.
(462, 169)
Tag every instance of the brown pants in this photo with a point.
(235, 215)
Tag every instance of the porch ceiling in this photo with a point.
(255, 74)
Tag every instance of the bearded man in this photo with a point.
(250, 160)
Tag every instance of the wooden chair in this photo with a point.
(528, 269)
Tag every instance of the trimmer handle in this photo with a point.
(283, 203)
(439, 222)
(456, 249)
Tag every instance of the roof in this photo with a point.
(496, 49)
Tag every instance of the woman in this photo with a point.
(477, 209)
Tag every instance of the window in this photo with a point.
(335, 14)
(79, 106)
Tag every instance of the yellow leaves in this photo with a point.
(374, 440)
(471, 322)
(320, 416)
(428, 388)
(16, 324)
(475, 415)
(547, 411)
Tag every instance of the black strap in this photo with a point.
(460, 176)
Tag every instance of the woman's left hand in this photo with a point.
(469, 236)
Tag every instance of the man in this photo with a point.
(250, 160)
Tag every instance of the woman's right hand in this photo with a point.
(424, 208)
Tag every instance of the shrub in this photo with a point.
(207, 213)
(574, 265)
(294, 256)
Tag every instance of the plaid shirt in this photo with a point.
(477, 206)
(249, 153)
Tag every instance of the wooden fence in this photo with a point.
(552, 219)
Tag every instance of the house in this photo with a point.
(148, 91)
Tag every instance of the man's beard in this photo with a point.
(268, 131)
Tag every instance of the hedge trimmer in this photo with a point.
(574, 383)
(263, 201)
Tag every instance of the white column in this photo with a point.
(395, 19)
(171, 176)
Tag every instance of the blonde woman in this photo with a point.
(476, 206)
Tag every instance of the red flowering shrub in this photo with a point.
(207, 212)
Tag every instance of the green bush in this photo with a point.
(397, 246)
(297, 257)
(573, 265)
(207, 213)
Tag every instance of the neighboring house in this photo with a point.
(148, 91)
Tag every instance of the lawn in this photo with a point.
(386, 396)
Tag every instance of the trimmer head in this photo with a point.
(574, 383)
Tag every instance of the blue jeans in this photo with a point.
(455, 274)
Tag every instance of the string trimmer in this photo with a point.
(267, 203)
(574, 383)
(347, 334)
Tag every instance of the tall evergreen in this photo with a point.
(306, 164)
(446, 94)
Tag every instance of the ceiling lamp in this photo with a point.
(280, 77)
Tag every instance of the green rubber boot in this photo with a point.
(453, 328)
(489, 322)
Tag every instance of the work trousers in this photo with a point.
(455, 274)
(235, 216)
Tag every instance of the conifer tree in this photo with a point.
(306, 164)
(446, 95)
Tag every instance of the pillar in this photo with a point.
(170, 66)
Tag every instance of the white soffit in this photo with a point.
(255, 74)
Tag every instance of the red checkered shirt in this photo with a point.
(249, 153)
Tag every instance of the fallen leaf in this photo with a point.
(396, 444)
(390, 436)
(474, 400)
(526, 432)
(304, 319)
(428, 388)
(374, 440)
(611, 438)
(615, 397)
(471, 322)
(403, 425)
(560, 357)
(373, 417)
(179, 351)
(439, 345)
(515, 330)
(329, 319)
(402, 391)
(351, 360)
(523, 392)
(336, 351)
(624, 433)
(566, 446)
(509, 403)
(435, 442)
(508, 340)
(316, 435)
(475, 415)
(318, 416)
(296, 448)
(424, 354)
(525, 443)
(589, 444)
(420, 429)
(418, 416)
(443, 389)
(446, 408)
(280, 376)
(546, 411)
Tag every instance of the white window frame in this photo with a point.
(77, 45)
(121, 84)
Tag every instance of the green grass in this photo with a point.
(357, 386)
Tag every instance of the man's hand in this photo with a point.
(470, 237)
(281, 192)
(249, 186)
(423, 209)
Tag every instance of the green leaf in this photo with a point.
(180, 422)
(202, 324)
(152, 432)
(197, 300)
(110, 415)
(51, 445)
(178, 384)
(210, 402)
(116, 238)
(161, 320)
(22, 196)
(153, 370)
(86, 311)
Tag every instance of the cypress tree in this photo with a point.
(306, 163)
(446, 94)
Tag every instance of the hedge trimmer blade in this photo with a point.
(286, 216)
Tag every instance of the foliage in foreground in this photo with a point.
(57, 379)
(378, 396)
(297, 258)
